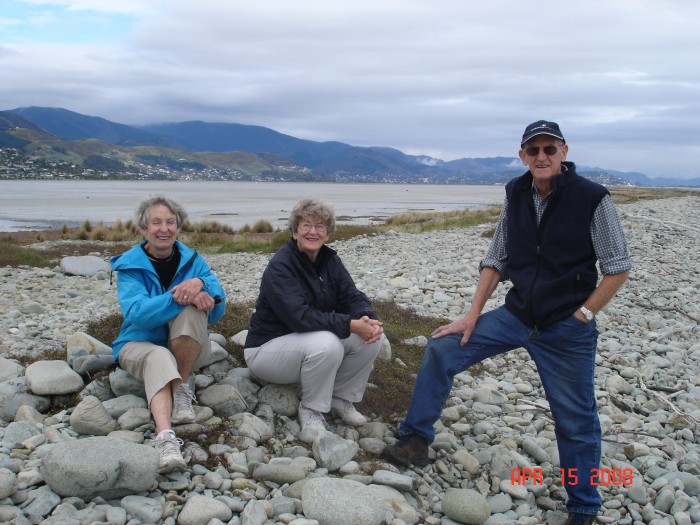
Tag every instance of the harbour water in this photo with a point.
(39, 205)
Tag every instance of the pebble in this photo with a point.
(94, 462)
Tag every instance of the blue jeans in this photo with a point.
(564, 354)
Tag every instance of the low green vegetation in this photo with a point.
(626, 195)
(12, 254)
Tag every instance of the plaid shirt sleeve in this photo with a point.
(608, 239)
(496, 255)
(606, 234)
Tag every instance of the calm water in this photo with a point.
(32, 205)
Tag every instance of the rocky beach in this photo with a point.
(496, 460)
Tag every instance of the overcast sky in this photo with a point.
(445, 78)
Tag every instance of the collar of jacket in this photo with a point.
(561, 180)
(324, 254)
(136, 257)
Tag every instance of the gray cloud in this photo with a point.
(446, 78)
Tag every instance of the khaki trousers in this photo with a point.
(325, 365)
(155, 365)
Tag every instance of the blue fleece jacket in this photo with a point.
(147, 306)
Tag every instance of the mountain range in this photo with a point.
(245, 152)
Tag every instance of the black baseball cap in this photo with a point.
(542, 127)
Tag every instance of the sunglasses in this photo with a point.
(533, 151)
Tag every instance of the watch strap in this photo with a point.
(586, 313)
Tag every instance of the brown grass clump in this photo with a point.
(206, 227)
(105, 329)
(262, 226)
(56, 353)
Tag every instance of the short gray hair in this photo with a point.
(312, 207)
(141, 214)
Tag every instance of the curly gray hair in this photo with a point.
(312, 207)
(141, 214)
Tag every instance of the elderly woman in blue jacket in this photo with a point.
(168, 295)
(311, 324)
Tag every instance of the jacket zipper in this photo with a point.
(538, 250)
(538, 253)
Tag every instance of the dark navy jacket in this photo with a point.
(297, 295)
(552, 266)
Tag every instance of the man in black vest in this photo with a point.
(554, 227)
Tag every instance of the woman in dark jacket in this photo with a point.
(311, 324)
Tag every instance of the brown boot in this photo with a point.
(580, 519)
(409, 449)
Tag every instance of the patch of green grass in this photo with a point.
(394, 383)
(626, 195)
(246, 243)
(14, 255)
(416, 222)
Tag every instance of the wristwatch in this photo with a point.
(586, 313)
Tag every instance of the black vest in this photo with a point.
(551, 265)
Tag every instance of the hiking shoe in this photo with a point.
(576, 518)
(347, 412)
(168, 447)
(310, 419)
(410, 449)
(182, 405)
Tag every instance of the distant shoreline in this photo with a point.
(39, 205)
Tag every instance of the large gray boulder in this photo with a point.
(86, 265)
(466, 506)
(282, 398)
(88, 343)
(91, 417)
(99, 466)
(122, 383)
(332, 451)
(18, 431)
(52, 378)
(14, 393)
(251, 426)
(333, 501)
(200, 509)
(224, 400)
(9, 369)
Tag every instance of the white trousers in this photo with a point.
(155, 365)
(325, 365)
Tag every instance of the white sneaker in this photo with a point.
(182, 405)
(168, 447)
(347, 412)
(310, 419)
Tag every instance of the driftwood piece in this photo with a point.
(665, 399)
